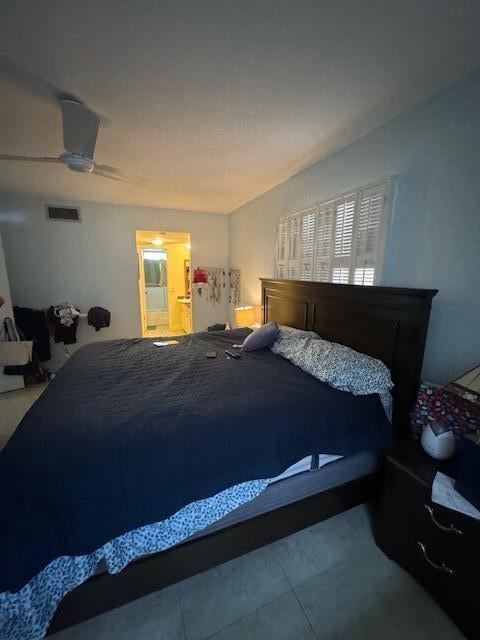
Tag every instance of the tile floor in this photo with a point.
(327, 582)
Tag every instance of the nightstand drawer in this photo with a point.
(441, 548)
(445, 571)
(415, 497)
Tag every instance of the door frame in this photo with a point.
(139, 248)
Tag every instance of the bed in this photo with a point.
(389, 324)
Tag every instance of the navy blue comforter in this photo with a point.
(128, 433)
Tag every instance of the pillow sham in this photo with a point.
(262, 337)
(339, 366)
(291, 342)
(285, 332)
(348, 370)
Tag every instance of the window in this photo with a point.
(339, 240)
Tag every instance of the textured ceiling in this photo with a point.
(217, 101)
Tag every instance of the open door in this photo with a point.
(164, 283)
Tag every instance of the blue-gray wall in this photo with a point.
(433, 241)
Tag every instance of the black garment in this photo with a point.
(33, 325)
(61, 333)
(98, 317)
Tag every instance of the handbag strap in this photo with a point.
(9, 331)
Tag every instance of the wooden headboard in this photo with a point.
(387, 323)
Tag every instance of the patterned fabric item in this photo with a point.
(337, 365)
(286, 333)
(25, 615)
(437, 404)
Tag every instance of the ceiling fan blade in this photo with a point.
(107, 171)
(26, 80)
(37, 86)
(105, 174)
(6, 156)
(80, 128)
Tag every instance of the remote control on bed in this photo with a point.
(232, 354)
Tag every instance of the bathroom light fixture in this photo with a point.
(158, 242)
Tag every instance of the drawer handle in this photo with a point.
(439, 567)
(450, 527)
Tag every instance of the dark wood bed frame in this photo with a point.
(385, 322)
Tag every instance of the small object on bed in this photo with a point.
(232, 354)
(262, 337)
(164, 343)
(211, 354)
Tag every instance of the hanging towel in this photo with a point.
(152, 273)
(162, 279)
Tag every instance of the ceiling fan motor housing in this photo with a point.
(78, 163)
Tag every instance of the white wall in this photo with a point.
(94, 263)
(434, 239)
(7, 383)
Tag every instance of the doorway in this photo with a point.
(164, 283)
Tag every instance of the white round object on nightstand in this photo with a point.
(440, 447)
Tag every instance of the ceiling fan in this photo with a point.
(80, 129)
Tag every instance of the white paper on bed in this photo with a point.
(445, 494)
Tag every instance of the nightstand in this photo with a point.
(437, 546)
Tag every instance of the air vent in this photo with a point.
(68, 214)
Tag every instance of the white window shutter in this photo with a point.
(281, 271)
(370, 232)
(307, 243)
(294, 246)
(324, 242)
(339, 240)
(345, 211)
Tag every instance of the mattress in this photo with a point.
(282, 491)
(313, 474)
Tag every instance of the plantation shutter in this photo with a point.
(282, 235)
(307, 243)
(340, 240)
(324, 242)
(369, 235)
(343, 241)
(294, 246)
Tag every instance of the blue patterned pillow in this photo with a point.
(337, 365)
